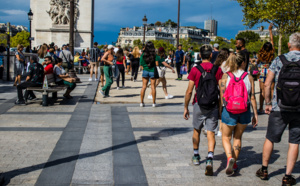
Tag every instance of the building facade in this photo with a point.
(51, 22)
(263, 33)
(128, 35)
(14, 29)
(212, 26)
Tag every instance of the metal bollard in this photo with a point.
(45, 99)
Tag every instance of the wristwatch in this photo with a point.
(270, 103)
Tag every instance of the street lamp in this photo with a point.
(30, 17)
(145, 24)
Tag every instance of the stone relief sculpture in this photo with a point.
(60, 11)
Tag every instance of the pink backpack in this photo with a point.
(236, 95)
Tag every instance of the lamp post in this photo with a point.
(178, 23)
(145, 24)
(30, 17)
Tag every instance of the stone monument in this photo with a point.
(51, 20)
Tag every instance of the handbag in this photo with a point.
(156, 75)
(69, 63)
(183, 70)
(161, 71)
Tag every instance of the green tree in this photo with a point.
(284, 15)
(158, 23)
(3, 39)
(162, 43)
(249, 36)
(254, 46)
(222, 43)
(173, 24)
(138, 43)
(20, 38)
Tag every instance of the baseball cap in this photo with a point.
(64, 45)
(110, 47)
(216, 45)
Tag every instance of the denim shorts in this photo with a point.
(147, 74)
(234, 119)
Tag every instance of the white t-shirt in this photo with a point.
(238, 74)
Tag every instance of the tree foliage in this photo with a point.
(138, 43)
(158, 23)
(20, 38)
(223, 44)
(173, 24)
(3, 39)
(285, 15)
(249, 36)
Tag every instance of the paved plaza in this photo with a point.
(94, 141)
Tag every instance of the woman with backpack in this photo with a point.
(265, 58)
(237, 92)
(148, 61)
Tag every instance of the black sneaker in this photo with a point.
(209, 167)
(18, 102)
(287, 181)
(262, 174)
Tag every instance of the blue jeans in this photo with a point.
(234, 119)
(147, 74)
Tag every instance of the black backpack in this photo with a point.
(207, 91)
(288, 86)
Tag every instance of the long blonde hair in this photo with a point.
(235, 61)
(136, 52)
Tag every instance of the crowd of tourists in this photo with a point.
(47, 61)
(223, 80)
(225, 90)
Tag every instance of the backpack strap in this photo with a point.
(243, 75)
(231, 75)
(283, 59)
(200, 68)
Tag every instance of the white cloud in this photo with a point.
(196, 19)
(14, 12)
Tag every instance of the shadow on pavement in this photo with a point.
(156, 136)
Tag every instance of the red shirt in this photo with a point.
(195, 75)
(49, 69)
(120, 62)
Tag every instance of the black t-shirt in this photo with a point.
(245, 51)
(36, 73)
(214, 56)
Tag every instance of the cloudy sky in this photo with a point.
(111, 15)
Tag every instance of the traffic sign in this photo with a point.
(31, 38)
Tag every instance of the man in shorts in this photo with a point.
(94, 57)
(279, 118)
(200, 115)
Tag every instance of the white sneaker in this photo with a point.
(169, 96)
(153, 105)
(118, 88)
(90, 79)
(150, 97)
(219, 134)
(142, 104)
(96, 79)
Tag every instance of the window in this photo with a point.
(125, 41)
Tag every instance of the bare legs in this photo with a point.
(292, 155)
(164, 85)
(153, 89)
(237, 139)
(210, 140)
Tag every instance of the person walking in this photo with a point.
(107, 58)
(283, 108)
(215, 53)
(162, 64)
(94, 57)
(135, 62)
(20, 64)
(240, 47)
(179, 54)
(236, 114)
(264, 60)
(205, 104)
(148, 61)
(121, 64)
